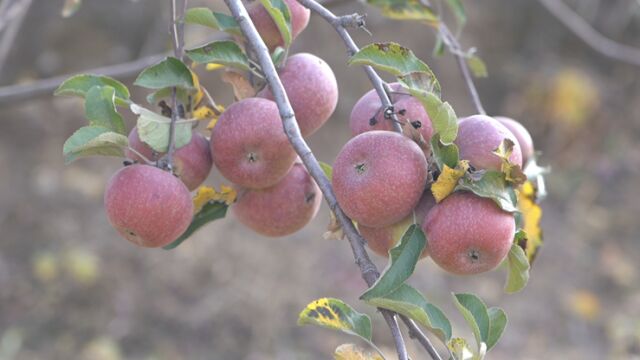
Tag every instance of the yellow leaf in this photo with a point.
(242, 88)
(459, 349)
(213, 66)
(448, 180)
(204, 112)
(513, 173)
(212, 123)
(83, 266)
(324, 314)
(196, 84)
(207, 194)
(573, 97)
(354, 352)
(45, 267)
(531, 215)
(334, 229)
(584, 304)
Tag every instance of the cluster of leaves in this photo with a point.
(393, 293)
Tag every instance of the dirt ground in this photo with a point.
(70, 288)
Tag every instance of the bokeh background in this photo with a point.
(70, 288)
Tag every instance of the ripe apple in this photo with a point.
(148, 206)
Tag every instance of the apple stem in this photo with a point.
(178, 9)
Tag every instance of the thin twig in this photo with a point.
(18, 92)
(416, 333)
(340, 24)
(177, 34)
(591, 36)
(19, 10)
(367, 268)
(454, 46)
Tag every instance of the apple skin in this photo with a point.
(468, 234)
(379, 177)
(312, 90)
(249, 146)
(282, 209)
(138, 145)
(522, 134)
(192, 162)
(407, 108)
(267, 27)
(479, 136)
(380, 240)
(147, 206)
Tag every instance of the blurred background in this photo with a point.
(71, 288)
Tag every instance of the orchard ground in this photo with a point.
(70, 287)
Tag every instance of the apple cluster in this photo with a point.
(276, 195)
(380, 177)
(380, 181)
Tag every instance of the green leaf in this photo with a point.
(475, 313)
(402, 262)
(444, 154)
(210, 211)
(438, 48)
(490, 185)
(205, 17)
(497, 321)
(327, 169)
(409, 302)
(223, 52)
(390, 57)
(518, 266)
(94, 141)
(336, 315)
(278, 56)
(166, 93)
(281, 15)
(100, 109)
(424, 81)
(153, 129)
(457, 8)
(70, 7)
(79, 85)
(477, 66)
(443, 118)
(167, 73)
(406, 10)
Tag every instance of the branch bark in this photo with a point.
(591, 36)
(367, 268)
(178, 9)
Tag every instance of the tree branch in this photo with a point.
(416, 333)
(591, 36)
(367, 268)
(178, 8)
(15, 17)
(454, 47)
(340, 24)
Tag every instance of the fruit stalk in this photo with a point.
(340, 24)
(455, 48)
(367, 268)
(178, 8)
